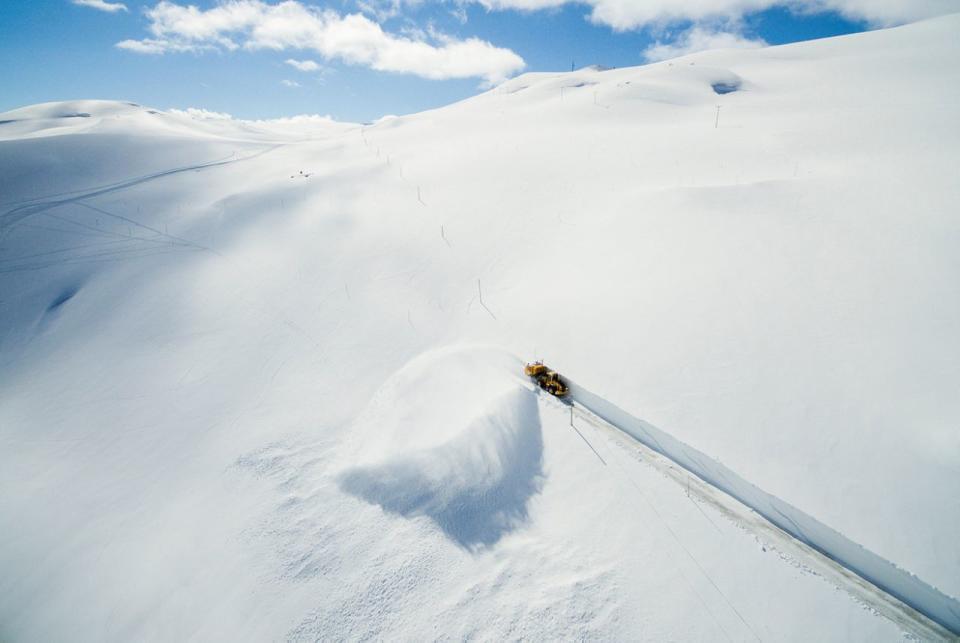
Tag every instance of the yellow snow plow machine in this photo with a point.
(550, 381)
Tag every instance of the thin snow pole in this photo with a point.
(480, 292)
(582, 437)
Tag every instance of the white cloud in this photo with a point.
(885, 13)
(632, 14)
(198, 113)
(383, 10)
(699, 39)
(298, 120)
(102, 5)
(303, 65)
(352, 38)
(157, 47)
(289, 83)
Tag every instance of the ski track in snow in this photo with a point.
(10, 219)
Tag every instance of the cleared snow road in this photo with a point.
(894, 592)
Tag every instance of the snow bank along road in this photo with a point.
(898, 583)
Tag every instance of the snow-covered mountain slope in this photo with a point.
(249, 389)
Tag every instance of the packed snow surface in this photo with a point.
(262, 380)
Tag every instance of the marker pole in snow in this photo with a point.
(480, 294)
(582, 437)
(716, 123)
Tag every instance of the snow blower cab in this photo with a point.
(547, 379)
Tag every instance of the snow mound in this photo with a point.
(64, 117)
(117, 117)
(71, 109)
(472, 476)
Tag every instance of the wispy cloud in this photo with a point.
(102, 5)
(631, 14)
(198, 113)
(303, 65)
(383, 10)
(700, 39)
(156, 46)
(290, 83)
(291, 25)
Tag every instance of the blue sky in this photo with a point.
(385, 60)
